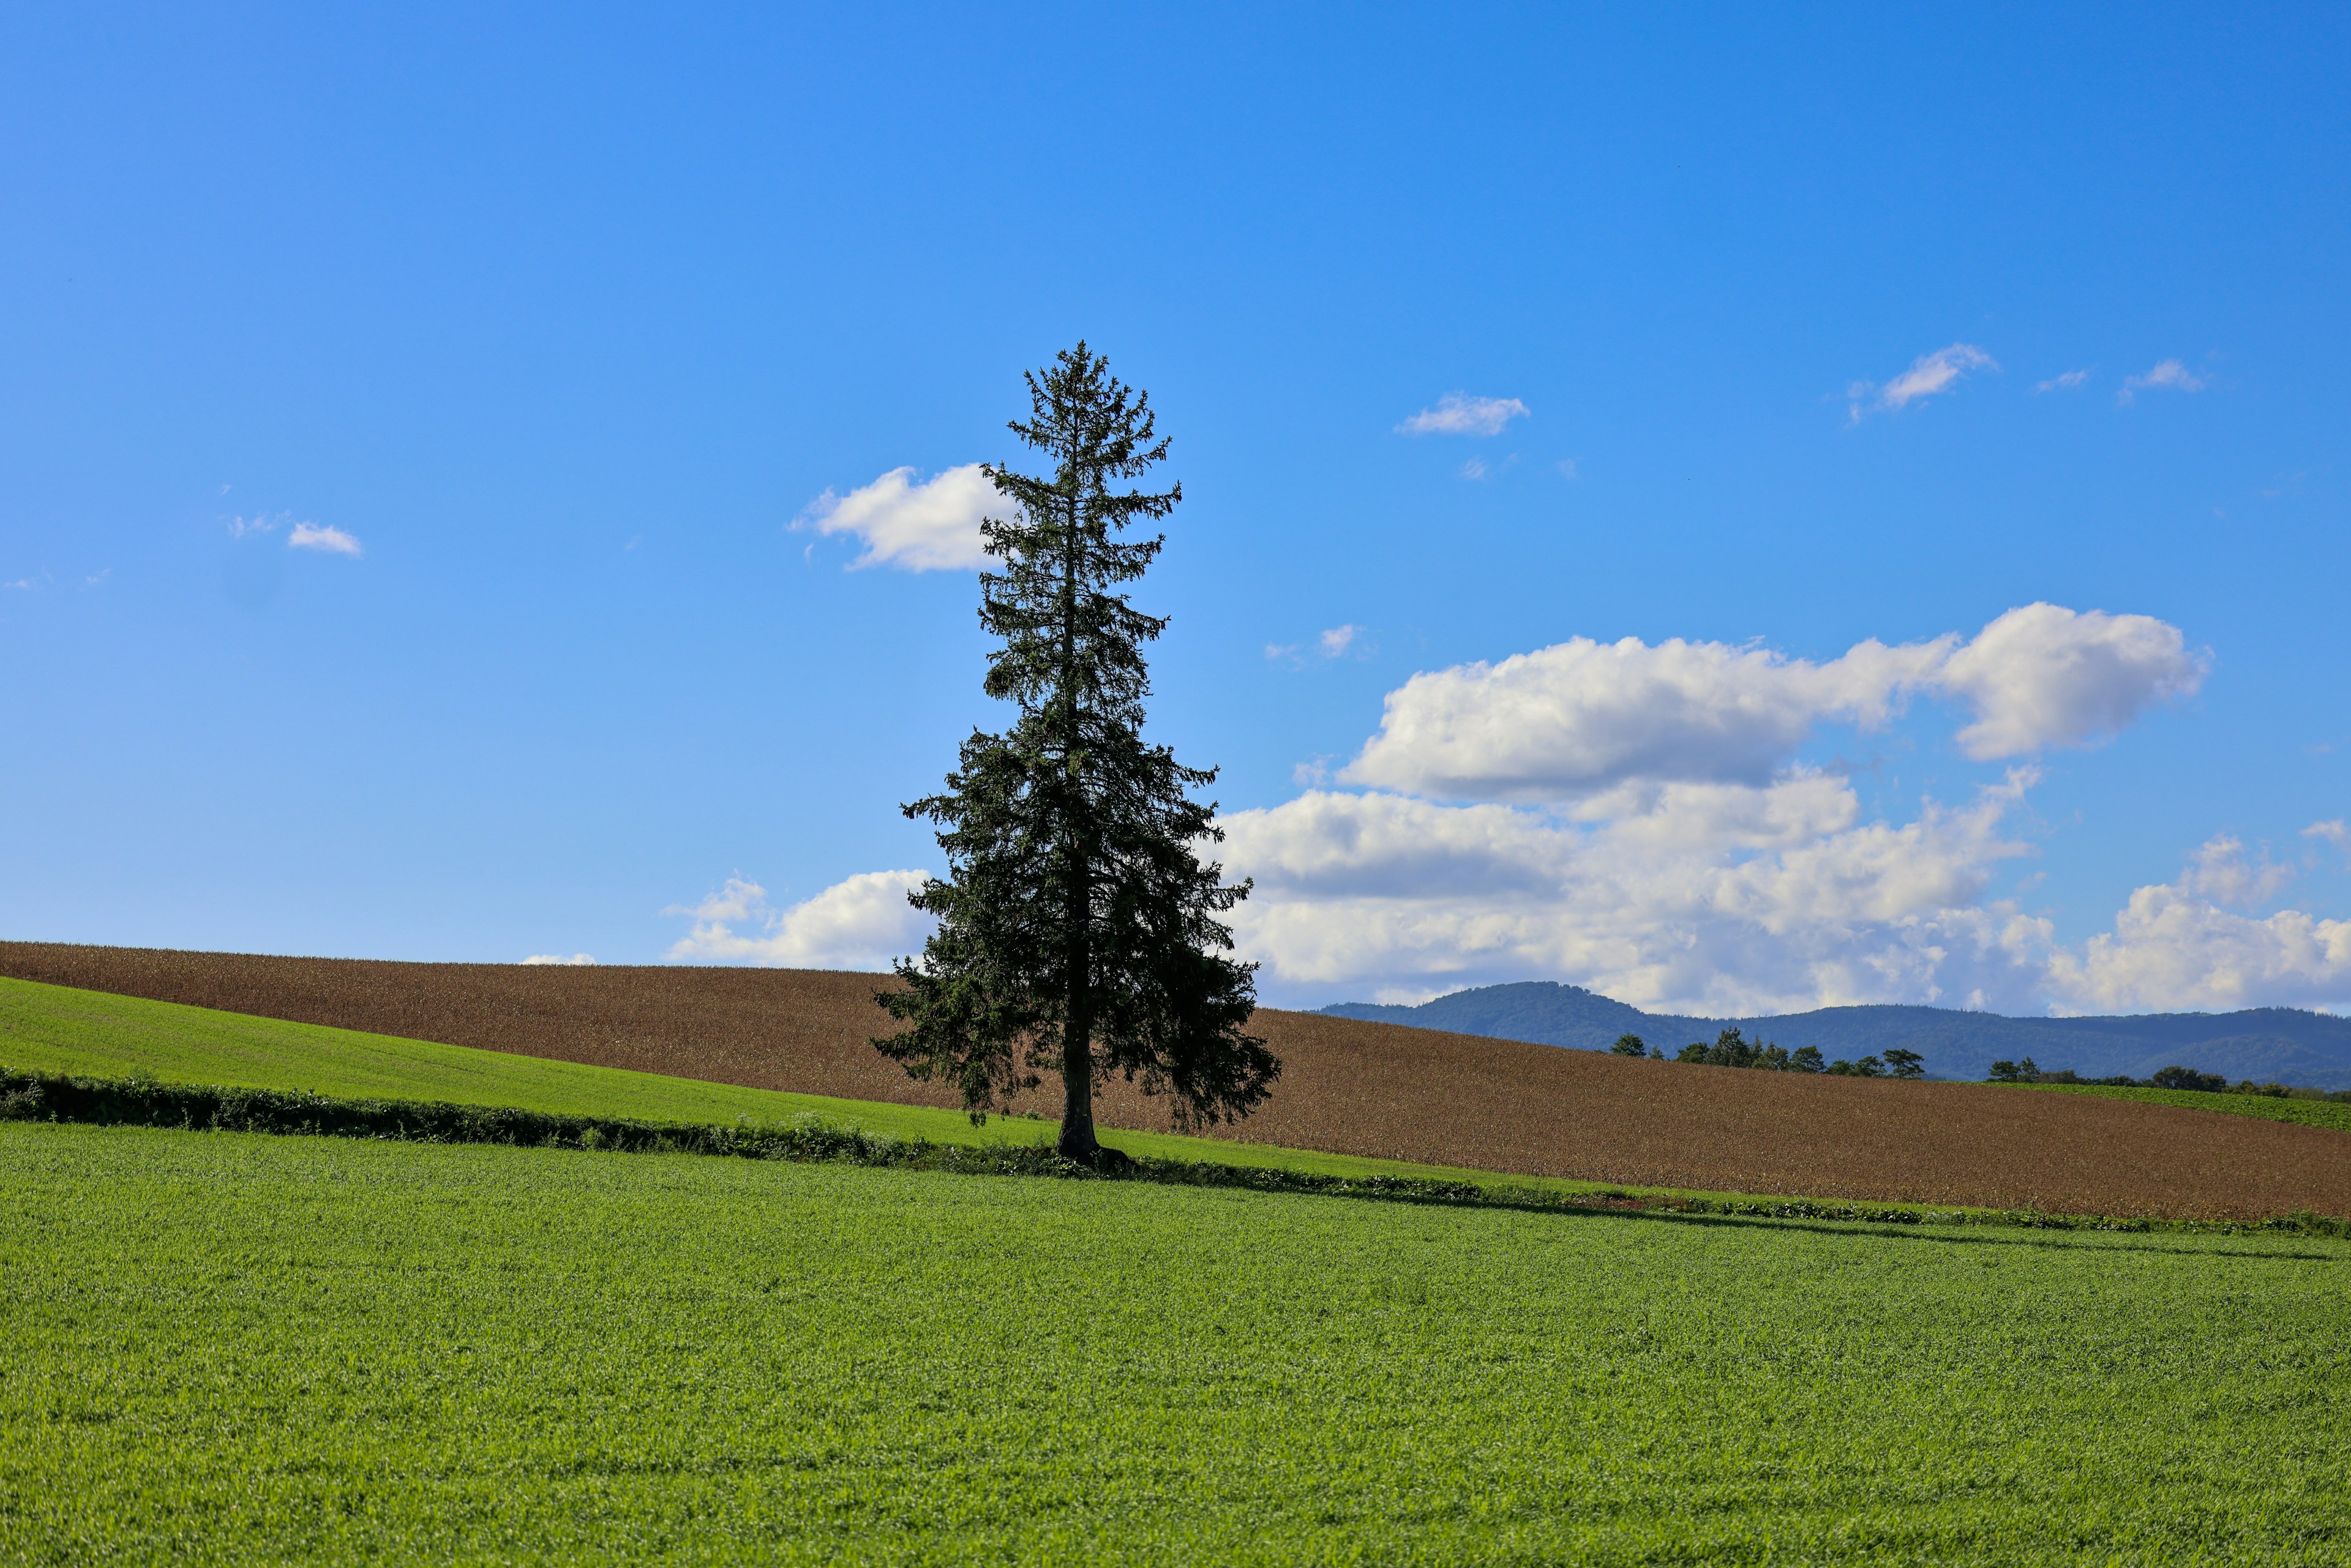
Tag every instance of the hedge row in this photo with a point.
(150, 1103)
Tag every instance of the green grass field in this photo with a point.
(58, 1028)
(2308, 1112)
(226, 1348)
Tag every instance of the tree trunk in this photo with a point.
(1077, 1022)
(1077, 1140)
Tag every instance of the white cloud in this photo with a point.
(1581, 717)
(238, 528)
(861, 922)
(318, 537)
(1710, 897)
(576, 960)
(1929, 375)
(1728, 899)
(2046, 676)
(2172, 949)
(1474, 469)
(1334, 643)
(928, 527)
(1458, 413)
(2064, 383)
(1628, 818)
(2219, 872)
(2334, 832)
(1571, 467)
(2168, 376)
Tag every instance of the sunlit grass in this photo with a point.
(216, 1347)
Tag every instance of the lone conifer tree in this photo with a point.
(1078, 928)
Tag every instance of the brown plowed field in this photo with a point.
(1350, 1087)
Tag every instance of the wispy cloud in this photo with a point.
(2065, 382)
(1571, 467)
(1475, 469)
(2170, 375)
(1929, 375)
(240, 528)
(577, 959)
(1335, 643)
(324, 537)
(2333, 833)
(1458, 413)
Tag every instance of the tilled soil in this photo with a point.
(1346, 1086)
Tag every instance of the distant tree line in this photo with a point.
(2188, 1078)
(1732, 1048)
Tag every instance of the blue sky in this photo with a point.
(568, 321)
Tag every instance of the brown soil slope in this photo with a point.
(1346, 1086)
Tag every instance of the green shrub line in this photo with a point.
(147, 1102)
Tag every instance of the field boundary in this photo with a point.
(37, 1096)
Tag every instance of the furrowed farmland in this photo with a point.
(1365, 1090)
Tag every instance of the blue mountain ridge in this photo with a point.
(2283, 1045)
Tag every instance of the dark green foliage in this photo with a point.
(1078, 930)
(1867, 1066)
(1629, 1045)
(1900, 1063)
(2176, 1078)
(1733, 1049)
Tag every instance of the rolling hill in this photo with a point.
(2280, 1045)
(1372, 1089)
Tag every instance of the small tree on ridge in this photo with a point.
(1078, 930)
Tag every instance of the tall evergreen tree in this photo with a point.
(1078, 928)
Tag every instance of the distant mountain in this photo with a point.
(2265, 1044)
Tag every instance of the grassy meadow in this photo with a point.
(59, 1028)
(218, 1347)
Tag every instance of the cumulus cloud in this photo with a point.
(1729, 900)
(2172, 950)
(2219, 871)
(1338, 639)
(1458, 413)
(1581, 717)
(861, 922)
(576, 960)
(2046, 676)
(2066, 381)
(319, 537)
(1629, 818)
(933, 526)
(1928, 376)
(1716, 897)
(2168, 376)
